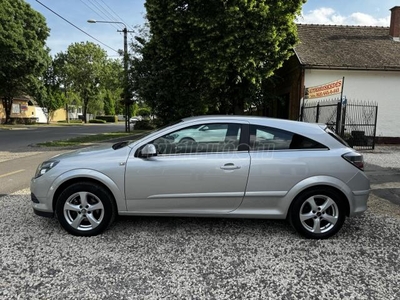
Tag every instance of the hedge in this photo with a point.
(108, 118)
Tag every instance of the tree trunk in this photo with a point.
(238, 108)
(7, 104)
(85, 105)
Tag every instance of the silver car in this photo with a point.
(260, 168)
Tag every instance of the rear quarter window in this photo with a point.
(336, 137)
(269, 138)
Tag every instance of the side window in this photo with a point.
(218, 137)
(268, 138)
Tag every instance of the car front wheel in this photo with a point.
(318, 213)
(187, 141)
(85, 209)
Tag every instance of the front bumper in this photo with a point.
(40, 208)
(43, 213)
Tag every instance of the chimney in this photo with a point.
(394, 30)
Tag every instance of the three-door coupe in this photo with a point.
(251, 167)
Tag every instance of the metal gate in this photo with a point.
(354, 121)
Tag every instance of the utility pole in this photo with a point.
(126, 81)
(127, 101)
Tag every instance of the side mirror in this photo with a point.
(148, 151)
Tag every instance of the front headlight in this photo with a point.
(44, 167)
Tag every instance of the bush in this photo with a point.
(97, 121)
(109, 119)
(144, 125)
(71, 121)
(24, 121)
(144, 112)
(30, 121)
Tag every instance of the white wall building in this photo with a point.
(368, 57)
(382, 87)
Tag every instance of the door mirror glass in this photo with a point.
(148, 151)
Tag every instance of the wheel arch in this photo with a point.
(90, 176)
(325, 182)
(346, 201)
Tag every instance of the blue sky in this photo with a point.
(131, 12)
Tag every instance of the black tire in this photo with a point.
(89, 215)
(318, 213)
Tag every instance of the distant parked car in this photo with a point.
(135, 119)
(239, 167)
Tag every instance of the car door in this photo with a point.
(207, 177)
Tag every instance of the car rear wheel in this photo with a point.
(318, 213)
(85, 209)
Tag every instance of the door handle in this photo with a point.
(230, 166)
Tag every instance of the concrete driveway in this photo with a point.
(383, 169)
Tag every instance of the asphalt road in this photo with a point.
(19, 157)
(16, 174)
(12, 140)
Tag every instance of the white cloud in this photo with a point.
(328, 16)
(323, 15)
(368, 20)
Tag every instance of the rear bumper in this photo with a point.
(360, 200)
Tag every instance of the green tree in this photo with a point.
(23, 55)
(207, 56)
(112, 82)
(166, 77)
(109, 103)
(85, 63)
(47, 90)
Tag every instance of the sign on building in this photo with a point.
(324, 90)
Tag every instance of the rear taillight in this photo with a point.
(355, 158)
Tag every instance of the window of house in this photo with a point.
(15, 108)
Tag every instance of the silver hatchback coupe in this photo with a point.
(238, 167)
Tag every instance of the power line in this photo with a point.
(113, 25)
(105, 14)
(58, 15)
(116, 14)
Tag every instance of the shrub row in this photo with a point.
(97, 121)
(108, 118)
(25, 121)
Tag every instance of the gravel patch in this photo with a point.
(176, 258)
(386, 156)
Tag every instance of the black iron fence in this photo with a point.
(354, 121)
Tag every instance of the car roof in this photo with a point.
(311, 130)
(257, 120)
(314, 131)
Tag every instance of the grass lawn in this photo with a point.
(89, 139)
